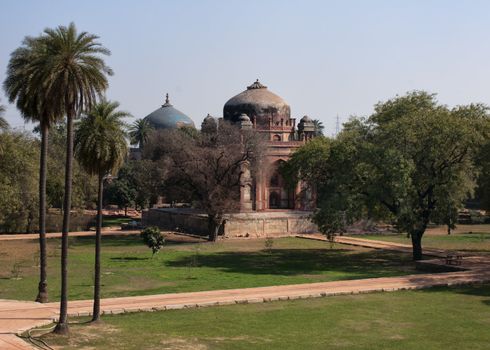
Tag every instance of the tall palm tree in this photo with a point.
(100, 147)
(139, 132)
(24, 86)
(319, 127)
(73, 75)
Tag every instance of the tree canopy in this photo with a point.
(411, 162)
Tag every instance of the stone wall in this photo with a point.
(254, 224)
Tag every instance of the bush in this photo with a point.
(153, 239)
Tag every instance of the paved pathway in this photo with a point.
(19, 316)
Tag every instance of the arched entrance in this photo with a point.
(280, 195)
(274, 200)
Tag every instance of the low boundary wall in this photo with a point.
(253, 224)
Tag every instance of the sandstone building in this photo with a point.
(267, 205)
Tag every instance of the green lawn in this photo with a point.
(116, 220)
(475, 243)
(433, 319)
(128, 269)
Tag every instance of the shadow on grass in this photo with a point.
(120, 241)
(129, 258)
(109, 241)
(290, 262)
(478, 290)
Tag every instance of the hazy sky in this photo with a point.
(323, 57)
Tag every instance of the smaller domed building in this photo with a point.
(168, 117)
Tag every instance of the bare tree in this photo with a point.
(209, 166)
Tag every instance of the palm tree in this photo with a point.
(3, 122)
(139, 132)
(73, 75)
(100, 147)
(319, 127)
(24, 86)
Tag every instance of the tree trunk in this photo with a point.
(214, 224)
(449, 229)
(62, 326)
(98, 239)
(417, 245)
(42, 294)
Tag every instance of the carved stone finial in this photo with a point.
(256, 85)
(167, 101)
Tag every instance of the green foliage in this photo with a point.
(268, 244)
(153, 238)
(128, 270)
(19, 159)
(84, 184)
(138, 182)
(120, 192)
(412, 162)
(483, 162)
(319, 127)
(139, 132)
(100, 143)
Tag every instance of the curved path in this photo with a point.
(19, 316)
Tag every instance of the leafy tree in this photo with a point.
(483, 161)
(19, 157)
(319, 127)
(25, 86)
(73, 75)
(139, 132)
(100, 147)
(153, 239)
(84, 195)
(139, 183)
(411, 161)
(121, 192)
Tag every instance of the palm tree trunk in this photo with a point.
(62, 326)
(42, 296)
(98, 239)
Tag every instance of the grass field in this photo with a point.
(433, 319)
(110, 221)
(128, 269)
(475, 242)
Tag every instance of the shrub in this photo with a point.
(153, 239)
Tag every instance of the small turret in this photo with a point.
(306, 128)
(209, 124)
(245, 122)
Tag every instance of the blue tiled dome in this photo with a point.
(168, 117)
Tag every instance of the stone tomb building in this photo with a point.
(267, 205)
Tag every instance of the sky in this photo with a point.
(325, 58)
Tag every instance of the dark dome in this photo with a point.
(168, 117)
(257, 102)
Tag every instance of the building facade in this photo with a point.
(265, 112)
(268, 206)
